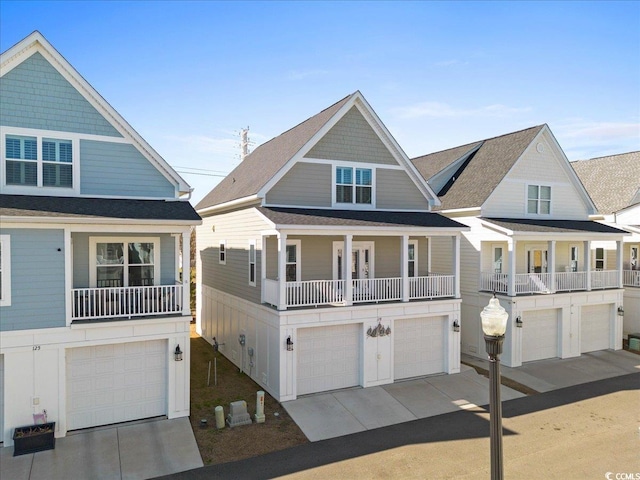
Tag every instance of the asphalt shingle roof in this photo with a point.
(81, 207)
(552, 226)
(612, 182)
(483, 173)
(266, 160)
(356, 218)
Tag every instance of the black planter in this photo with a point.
(34, 438)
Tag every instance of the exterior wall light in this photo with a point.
(177, 355)
(519, 321)
(620, 311)
(289, 344)
(456, 326)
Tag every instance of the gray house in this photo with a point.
(314, 261)
(92, 300)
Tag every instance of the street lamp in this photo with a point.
(494, 324)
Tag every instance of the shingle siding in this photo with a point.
(35, 95)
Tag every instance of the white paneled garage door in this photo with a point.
(328, 358)
(595, 324)
(418, 347)
(116, 383)
(539, 335)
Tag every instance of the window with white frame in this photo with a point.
(498, 256)
(128, 262)
(574, 253)
(222, 252)
(412, 270)
(292, 260)
(252, 263)
(354, 188)
(633, 258)
(5, 270)
(539, 199)
(600, 260)
(36, 161)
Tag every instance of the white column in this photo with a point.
(587, 262)
(619, 265)
(186, 273)
(428, 255)
(282, 271)
(404, 266)
(456, 265)
(263, 267)
(551, 264)
(346, 273)
(511, 287)
(68, 276)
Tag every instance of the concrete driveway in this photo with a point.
(343, 412)
(129, 451)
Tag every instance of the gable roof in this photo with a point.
(613, 182)
(535, 225)
(36, 43)
(259, 171)
(486, 168)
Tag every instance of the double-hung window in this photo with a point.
(539, 199)
(125, 263)
(21, 160)
(600, 259)
(5, 270)
(222, 252)
(354, 185)
(57, 163)
(292, 267)
(412, 269)
(252, 263)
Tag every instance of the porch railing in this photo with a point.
(571, 281)
(376, 289)
(604, 279)
(314, 292)
(433, 286)
(536, 283)
(631, 278)
(113, 302)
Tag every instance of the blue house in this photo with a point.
(94, 238)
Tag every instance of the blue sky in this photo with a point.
(189, 75)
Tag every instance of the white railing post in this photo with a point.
(551, 264)
(619, 263)
(263, 268)
(511, 279)
(346, 265)
(282, 271)
(587, 262)
(186, 273)
(404, 267)
(456, 265)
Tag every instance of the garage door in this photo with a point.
(595, 324)
(328, 358)
(418, 347)
(116, 383)
(539, 335)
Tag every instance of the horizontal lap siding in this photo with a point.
(306, 184)
(37, 280)
(395, 190)
(119, 169)
(35, 95)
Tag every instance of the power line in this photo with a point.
(200, 169)
(203, 174)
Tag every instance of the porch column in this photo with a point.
(456, 265)
(511, 285)
(263, 266)
(404, 267)
(186, 273)
(346, 272)
(282, 271)
(587, 262)
(619, 264)
(551, 264)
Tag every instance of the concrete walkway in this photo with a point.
(131, 451)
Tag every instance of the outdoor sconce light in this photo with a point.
(519, 321)
(178, 354)
(456, 326)
(620, 311)
(289, 344)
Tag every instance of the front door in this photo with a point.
(537, 261)
(360, 262)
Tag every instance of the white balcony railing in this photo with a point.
(126, 302)
(536, 283)
(571, 281)
(314, 293)
(377, 289)
(433, 286)
(631, 278)
(604, 279)
(271, 291)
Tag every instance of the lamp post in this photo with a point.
(494, 324)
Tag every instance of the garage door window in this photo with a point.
(130, 263)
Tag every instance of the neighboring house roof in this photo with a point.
(357, 218)
(613, 182)
(486, 168)
(95, 208)
(528, 225)
(266, 160)
(36, 42)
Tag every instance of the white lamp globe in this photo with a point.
(494, 318)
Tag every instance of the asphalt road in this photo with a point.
(580, 432)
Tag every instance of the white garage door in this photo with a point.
(328, 358)
(116, 383)
(595, 324)
(418, 347)
(539, 335)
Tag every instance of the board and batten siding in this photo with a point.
(509, 199)
(306, 184)
(236, 228)
(35, 95)
(352, 140)
(120, 169)
(37, 280)
(396, 191)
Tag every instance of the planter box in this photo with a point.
(34, 438)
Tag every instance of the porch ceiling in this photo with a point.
(357, 218)
(529, 225)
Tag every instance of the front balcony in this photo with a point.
(631, 278)
(126, 302)
(546, 283)
(314, 293)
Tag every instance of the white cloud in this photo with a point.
(586, 139)
(296, 75)
(599, 131)
(443, 110)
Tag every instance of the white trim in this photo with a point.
(229, 204)
(5, 270)
(19, 222)
(353, 205)
(367, 245)
(494, 247)
(595, 258)
(222, 252)
(325, 161)
(539, 201)
(157, 260)
(577, 247)
(316, 207)
(416, 264)
(298, 244)
(252, 243)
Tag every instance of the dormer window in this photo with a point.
(539, 199)
(352, 188)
